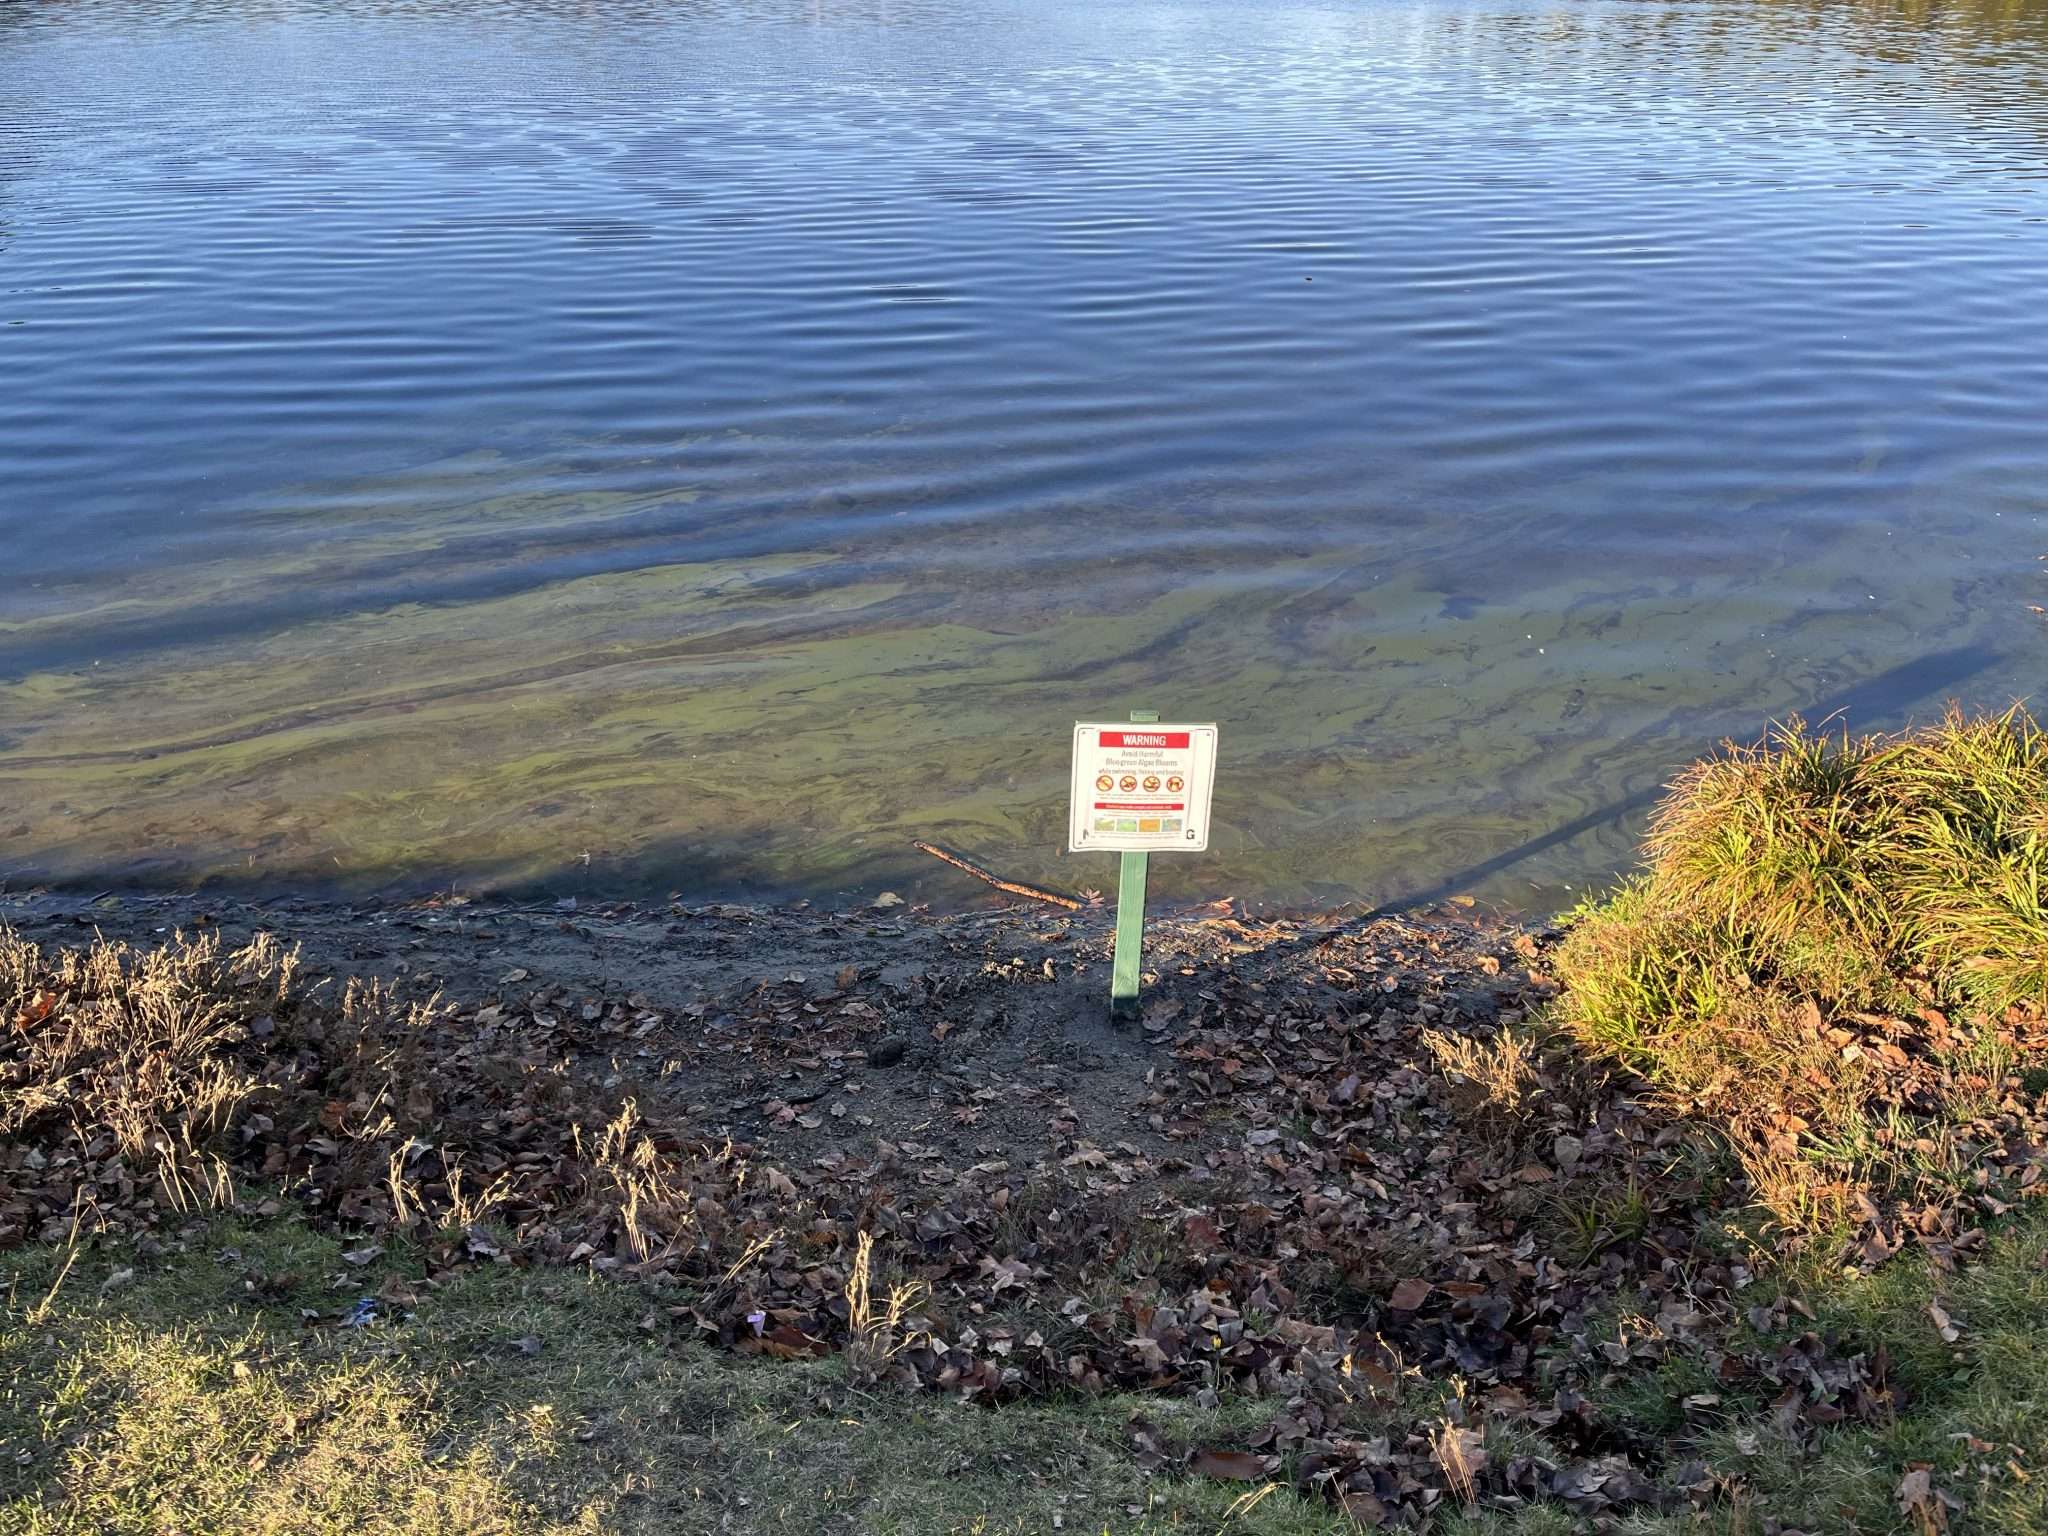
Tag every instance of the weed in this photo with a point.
(136, 1045)
(1457, 1451)
(1600, 1220)
(876, 1333)
(1502, 1070)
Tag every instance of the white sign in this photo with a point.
(1141, 788)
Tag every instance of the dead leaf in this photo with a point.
(1229, 1466)
(1410, 1294)
(1919, 1501)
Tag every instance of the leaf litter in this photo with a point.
(1338, 1166)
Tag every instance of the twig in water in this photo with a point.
(1014, 887)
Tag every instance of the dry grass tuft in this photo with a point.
(1459, 1452)
(656, 1206)
(136, 1046)
(876, 1332)
(1502, 1070)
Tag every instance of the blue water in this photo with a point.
(1476, 406)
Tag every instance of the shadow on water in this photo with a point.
(1880, 701)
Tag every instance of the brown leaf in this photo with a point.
(1410, 1294)
(1363, 1506)
(1917, 1499)
(785, 1343)
(36, 1011)
(1229, 1466)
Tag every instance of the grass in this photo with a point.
(183, 1390)
(1975, 1410)
(1838, 947)
(517, 1401)
(1974, 1414)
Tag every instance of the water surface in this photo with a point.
(702, 446)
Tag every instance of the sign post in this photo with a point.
(1130, 915)
(1138, 790)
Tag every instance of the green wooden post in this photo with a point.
(1130, 917)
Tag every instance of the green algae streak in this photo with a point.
(787, 723)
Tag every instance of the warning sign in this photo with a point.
(1141, 787)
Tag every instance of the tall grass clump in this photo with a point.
(1838, 945)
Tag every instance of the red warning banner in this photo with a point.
(1171, 740)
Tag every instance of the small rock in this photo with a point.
(1568, 1150)
(886, 1053)
(886, 900)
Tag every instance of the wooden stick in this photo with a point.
(1014, 887)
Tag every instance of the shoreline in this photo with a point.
(1014, 993)
(1337, 1215)
(702, 943)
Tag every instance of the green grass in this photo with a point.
(529, 1401)
(1807, 903)
(1976, 1409)
(1838, 868)
(182, 1400)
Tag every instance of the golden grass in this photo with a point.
(133, 1044)
(1500, 1071)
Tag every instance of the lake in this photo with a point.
(700, 447)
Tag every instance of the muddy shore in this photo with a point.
(975, 1032)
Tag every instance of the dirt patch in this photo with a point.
(976, 1035)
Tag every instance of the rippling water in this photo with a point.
(703, 446)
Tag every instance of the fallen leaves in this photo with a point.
(1295, 1141)
(1927, 1506)
(1228, 1466)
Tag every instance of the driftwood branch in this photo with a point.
(1014, 887)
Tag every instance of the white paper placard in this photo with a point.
(1141, 788)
